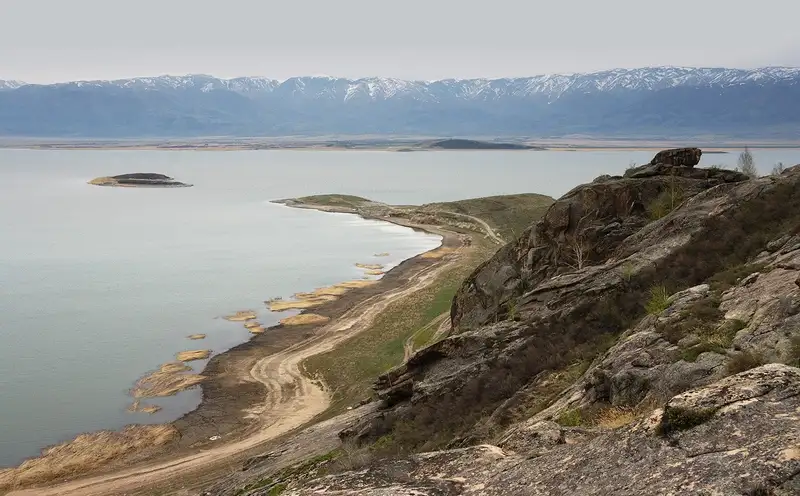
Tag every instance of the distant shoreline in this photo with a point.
(400, 144)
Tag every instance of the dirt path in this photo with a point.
(486, 227)
(292, 400)
(408, 346)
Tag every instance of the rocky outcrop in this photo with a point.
(684, 157)
(528, 315)
(740, 435)
(582, 228)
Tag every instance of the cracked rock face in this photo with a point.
(749, 442)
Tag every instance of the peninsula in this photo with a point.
(139, 180)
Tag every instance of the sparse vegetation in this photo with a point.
(677, 419)
(794, 351)
(570, 418)
(615, 417)
(778, 169)
(667, 201)
(743, 361)
(746, 164)
(659, 300)
(726, 279)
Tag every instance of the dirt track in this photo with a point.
(291, 400)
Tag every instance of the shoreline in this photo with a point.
(233, 399)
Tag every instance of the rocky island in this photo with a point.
(139, 180)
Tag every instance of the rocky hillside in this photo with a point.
(642, 338)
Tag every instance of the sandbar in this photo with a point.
(241, 316)
(188, 356)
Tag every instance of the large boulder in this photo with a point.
(685, 157)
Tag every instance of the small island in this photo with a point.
(139, 180)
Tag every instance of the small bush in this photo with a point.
(615, 417)
(680, 419)
(726, 279)
(659, 300)
(691, 354)
(276, 490)
(794, 351)
(744, 361)
(698, 317)
(570, 418)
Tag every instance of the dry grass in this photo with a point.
(328, 291)
(188, 356)
(305, 319)
(374, 272)
(85, 453)
(241, 316)
(251, 324)
(195, 337)
(369, 266)
(615, 417)
(256, 330)
(167, 381)
(438, 252)
(308, 302)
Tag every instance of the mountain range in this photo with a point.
(644, 102)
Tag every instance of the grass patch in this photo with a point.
(716, 339)
(677, 419)
(615, 417)
(507, 214)
(348, 201)
(665, 202)
(659, 300)
(570, 418)
(697, 317)
(350, 368)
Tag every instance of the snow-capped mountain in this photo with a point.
(652, 99)
(10, 85)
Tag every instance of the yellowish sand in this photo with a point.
(241, 316)
(309, 302)
(381, 254)
(103, 181)
(257, 330)
(188, 356)
(174, 368)
(328, 291)
(150, 409)
(374, 272)
(166, 381)
(356, 284)
(86, 452)
(196, 336)
(305, 319)
(369, 266)
(438, 252)
(251, 323)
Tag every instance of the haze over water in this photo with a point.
(99, 285)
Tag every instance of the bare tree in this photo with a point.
(746, 164)
(778, 169)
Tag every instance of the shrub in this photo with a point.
(746, 164)
(726, 279)
(778, 169)
(659, 300)
(743, 361)
(794, 351)
(665, 203)
(570, 418)
(677, 419)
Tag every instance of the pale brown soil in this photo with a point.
(241, 316)
(170, 379)
(195, 337)
(305, 319)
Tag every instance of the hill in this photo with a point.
(663, 102)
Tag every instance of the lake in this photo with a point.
(100, 285)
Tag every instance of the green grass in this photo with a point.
(680, 419)
(659, 300)
(509, 215)
(334, 200)
(570, 418)
(350, 369)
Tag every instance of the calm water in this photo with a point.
(99, 285)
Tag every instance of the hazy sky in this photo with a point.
(57, 40)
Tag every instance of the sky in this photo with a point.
(44, 41)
